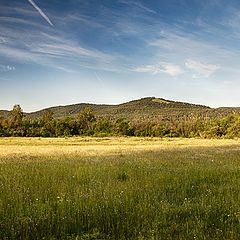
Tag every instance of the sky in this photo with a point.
(112, 51)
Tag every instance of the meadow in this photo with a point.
(119, 188)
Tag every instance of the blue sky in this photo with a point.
(111, 51)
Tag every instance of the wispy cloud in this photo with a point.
(165, 47)
(199, 55)
(138, 5)
(7, 68)
(86, 20)
(41, 12)
(3, 40)
(54, 51)
(64, 69)
(68, 49)
(167, 68)
(174, 40)
(198, 69)
(15, 54)
(154, 69)
(171, 69)
(18, 25)
(201, 69)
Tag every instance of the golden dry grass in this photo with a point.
(10, 147)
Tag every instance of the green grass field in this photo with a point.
(119, 188)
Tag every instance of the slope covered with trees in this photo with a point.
(145, 108)
(154, 117)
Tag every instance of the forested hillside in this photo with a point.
(145, 108)
(144, 117)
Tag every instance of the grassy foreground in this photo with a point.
(119, 188)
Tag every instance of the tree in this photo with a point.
(122, 127)
(16, 117)
(47, 123)
(85, 120)
(47, 117)
(103, 127)
(65, 127)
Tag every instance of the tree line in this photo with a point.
(87, 124)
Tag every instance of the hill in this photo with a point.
(4, 113)
(149, 108)
(143, 117)
(142, 108)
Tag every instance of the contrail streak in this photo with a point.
(40, 11)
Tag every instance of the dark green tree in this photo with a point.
(122, 127)
(85, 121)
(103, 127)
(47, 123)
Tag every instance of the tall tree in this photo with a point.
(16, 116)
(85, 121)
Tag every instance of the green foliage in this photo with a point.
(122, 127)
(15, 121)
(233, 129)
(66, 127)
(103, 127)
(85, 120)
(145, 109)
(86, 123)
(47, 117)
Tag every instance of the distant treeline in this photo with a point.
(87, 124)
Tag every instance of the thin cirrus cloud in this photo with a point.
(167, 68)
(201, 69)
(40, 11)
(138, 5)
(176, 42)
(53, 51)
(7, 68)
(69, 50)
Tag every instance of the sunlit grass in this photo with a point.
(88, 146)
(119, 188)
